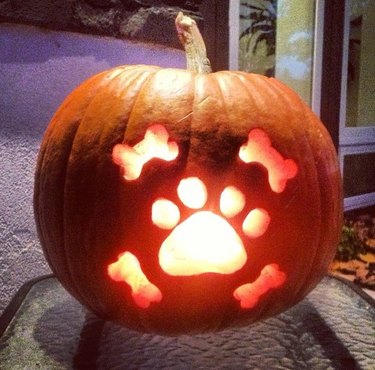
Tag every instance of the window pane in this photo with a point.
(295, 45)
(360, 106)
(277, 39)
(359, 174)
(258, 36)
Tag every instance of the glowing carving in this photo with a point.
(192, 192)
(259, 149)
(204, 242)
(249, 294)
(154, 145)
(165, 214)
(256, 223)
(127, 269)
(232, 201)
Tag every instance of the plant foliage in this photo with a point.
(262, 19)
(350, 246)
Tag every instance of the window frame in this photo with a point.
(352, 140)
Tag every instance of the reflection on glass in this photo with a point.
(295, 45)
(258, 36)
(276, 39)
(360, 106)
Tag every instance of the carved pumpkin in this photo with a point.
(177, 201)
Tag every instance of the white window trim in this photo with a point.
(234, 29)
(318, 57)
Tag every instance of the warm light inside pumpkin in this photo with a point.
(256, 223)
(154, 145)
(258, 149)
(270, 277)
(165, 214)
(192, 192)
(128, 269)
(203, 243)
(232, 201)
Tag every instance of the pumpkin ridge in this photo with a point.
(199, 83)
(216, 77)
(144, 76)
(252, 91)
(205, 122)
(68, 276)
(41, 163)
(263, 86)
(331, 234)
(256, 94)
(233, 99)
(325, 199)
(191, 118)
(319, 140)
(239, 78)
(78, 292)
(288, 102)
(317, 133)
(144, 84)
(102, 82)
(133, 78)
(83, 248)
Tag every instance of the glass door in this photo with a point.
(289, 39)
(280, 38)
(357, 111)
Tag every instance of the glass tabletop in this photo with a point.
(332, 328)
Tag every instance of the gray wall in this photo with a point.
(38, 68)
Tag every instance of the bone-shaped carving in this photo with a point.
(127, 269)
(259, 149)
(154, 145)
(269, 278)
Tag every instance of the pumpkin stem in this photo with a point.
(192, 41)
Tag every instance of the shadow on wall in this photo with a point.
(38, 68)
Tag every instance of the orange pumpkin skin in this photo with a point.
(86, 214)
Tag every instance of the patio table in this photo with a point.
(332, 328)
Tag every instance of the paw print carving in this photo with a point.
(205, 241)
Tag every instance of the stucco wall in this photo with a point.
(141, 20)
(37, 70)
